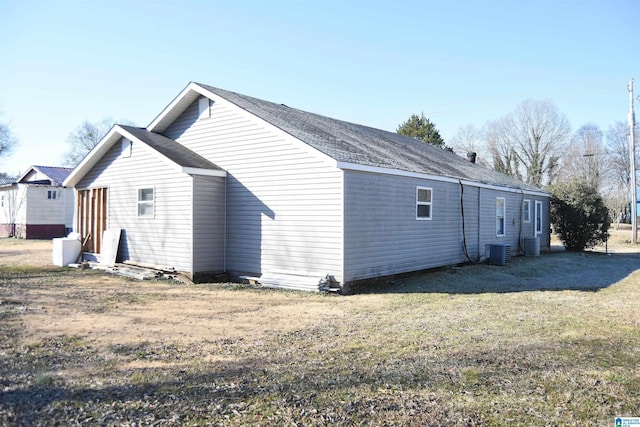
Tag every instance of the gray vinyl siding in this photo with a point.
(470, 209)
(163, 240)
(382, 234)
(284, 202)
(545, 234)
(516, 230)
(512, 218)
(209, 224)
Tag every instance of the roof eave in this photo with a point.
(117, 132)
(440, 178)
(90, 160)
(176, 107)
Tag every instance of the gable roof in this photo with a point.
(55, 175)
(351, 145)
(172, 150)
(176, 155)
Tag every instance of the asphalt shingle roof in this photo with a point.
(169, 148)
(363, 145)
(56, 174)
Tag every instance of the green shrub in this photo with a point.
(578, 216)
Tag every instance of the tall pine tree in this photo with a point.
(421, 128)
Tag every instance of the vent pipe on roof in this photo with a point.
(471, 156)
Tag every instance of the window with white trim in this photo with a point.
(51, 194)
(423, 202)
(146, 203)
(538, 217)
(500, 214)
(526, 211)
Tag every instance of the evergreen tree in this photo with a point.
(421, 128)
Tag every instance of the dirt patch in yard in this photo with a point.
(112, 309)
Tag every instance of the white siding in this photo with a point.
(14, 209)
(41, 209)
(284, 202)
(165, 239)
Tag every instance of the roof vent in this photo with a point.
(471, 156)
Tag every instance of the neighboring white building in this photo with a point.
(36, 205)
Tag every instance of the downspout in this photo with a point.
(479, 222)
(520, 246)
(464, 233)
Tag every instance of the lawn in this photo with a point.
(549, 340)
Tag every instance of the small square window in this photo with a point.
(51, 194)
(423, 203)
(146, 203)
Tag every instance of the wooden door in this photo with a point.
(92, 218)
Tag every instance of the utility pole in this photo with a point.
(632, 153)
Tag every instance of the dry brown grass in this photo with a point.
(550, 340)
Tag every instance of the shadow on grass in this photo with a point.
(305, 389)
(556, 271)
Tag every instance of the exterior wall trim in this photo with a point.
(397, 172)
(206, 172)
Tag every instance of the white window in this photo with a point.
(526, 211)
(145, 202)
(423, 203)
(204, 108)
(500, 214)
(538, 217)
(51, 194)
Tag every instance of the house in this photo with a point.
(36, 205)
(221, 182)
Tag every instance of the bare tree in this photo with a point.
(618, 151)
(618, 195)
(503, 156)
(470, 139)
(585, 158)
(85, 137)
(7, 140)
(528, 142)
(12, 201)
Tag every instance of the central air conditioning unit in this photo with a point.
(499, 254)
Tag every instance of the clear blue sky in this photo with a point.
(369, 62)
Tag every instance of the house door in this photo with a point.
(92, 218)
